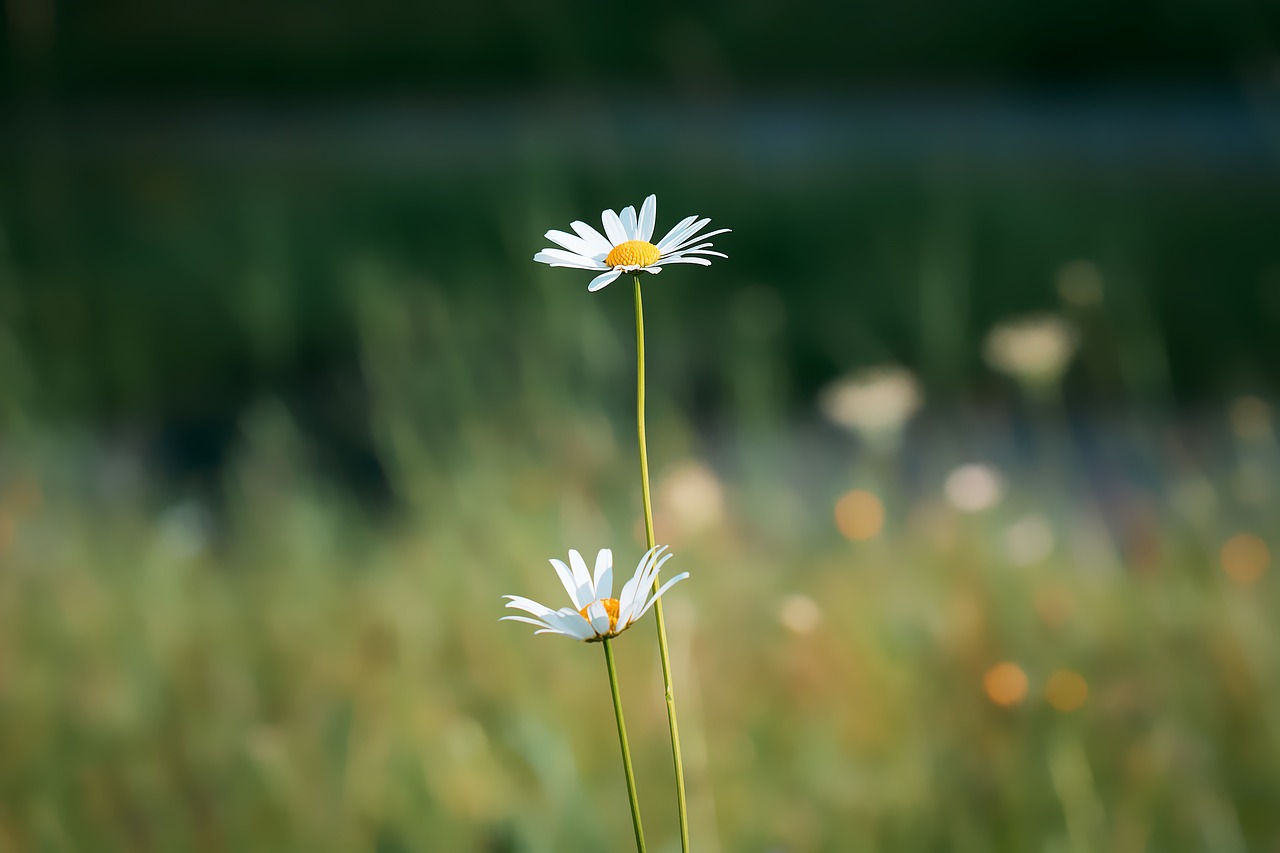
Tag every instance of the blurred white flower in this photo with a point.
(691, 497)
(875, 402)
(800, 614)
(625, 247)
(595, 614)
(973, 488)
(1028, 540)
(1036, 350)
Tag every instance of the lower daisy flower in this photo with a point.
(595, 614)
(625, 247)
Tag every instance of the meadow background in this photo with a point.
(285, 407)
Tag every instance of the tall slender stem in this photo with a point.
(626, 749)
(663, 652)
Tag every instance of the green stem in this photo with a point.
(663, 652)
(626, 750)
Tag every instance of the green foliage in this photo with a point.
(295, 679)
(289, 671)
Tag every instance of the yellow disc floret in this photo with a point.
(611, 606)
(633, 253)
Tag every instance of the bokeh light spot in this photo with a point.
(1036, 350)
(692, 498)
(859, 515)
(1245, 558)
(1080, 283)
(876, 402)
(973, 488)
(1028, 540)
(800, 614)
(1066, 690)
(1250, 418)
(1006, 684)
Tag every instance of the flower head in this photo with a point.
(625, 247)
(595, 614)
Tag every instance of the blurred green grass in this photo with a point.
(309, 681)
(291, 672)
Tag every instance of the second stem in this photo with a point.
(663, 652)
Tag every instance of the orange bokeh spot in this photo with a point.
(1006, 684)
(859, 515)
(1066, 690)
(1245, 558)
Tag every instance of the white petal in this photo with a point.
(582, 577)
(689, 248)
(676, 230)
(646, 582)
(543, 259)
(525, 619)
(681, 259)
(603, 279)
(569, 621)
(528, 605)
(566, 257)
(604, 574)
(671, 240)
(598, 243)
(648, 213)
(634, 590)
(652, 576)
(666, 586)
(625, 598)
(693, 237)
(561, 258)
(696, 251)
(613, 228)
(570, 585)
(599, 618)
(629, 222)
(702, 252)
(576, 244)
(567, 266)
(652, 268)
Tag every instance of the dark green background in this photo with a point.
(184, 189)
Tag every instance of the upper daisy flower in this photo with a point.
(595, 614)
(625, 245)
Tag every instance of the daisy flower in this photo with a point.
(595, 614)
(625, 246)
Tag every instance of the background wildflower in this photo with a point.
(596, 614)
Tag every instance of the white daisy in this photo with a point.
(625, 246)
(595, 614)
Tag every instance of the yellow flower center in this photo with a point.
(611, 607)
(633, 253)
